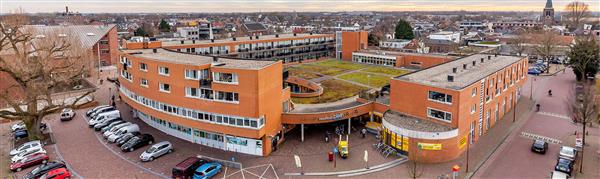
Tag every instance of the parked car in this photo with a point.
(186, 168)
(156, 150)
(43, 169)
(100, 111)
(105, 123)
(558, 175)
(104, 116)
(122, 131)
(29, 161)
(19, 134)
(207, 170)
(126, 138)
(137, 142)
(23, 155)
(88, 113)
(567, 152)
(539, 146)
(113, 124)
(59, 173)
(67, 114)
(25, 147)
(115, 129)
(564, 165)
(533, 71)
(21, 126)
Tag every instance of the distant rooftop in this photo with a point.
(238, 39)
(396, 53)
(182, 58)
(87, 34)
(413, 123)
(437, 76)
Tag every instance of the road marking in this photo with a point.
(555, 115)
(539, 137)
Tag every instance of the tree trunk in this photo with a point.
(33, 127)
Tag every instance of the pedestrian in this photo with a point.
(114, 104)
(113, 98)
(363, 132)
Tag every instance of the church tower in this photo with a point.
(548, 15)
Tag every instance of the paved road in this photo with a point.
(514, 159)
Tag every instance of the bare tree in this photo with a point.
(518, 42)
(546, 45)
(415, 169)
(36, 65)
(584, 109)
(576, 11)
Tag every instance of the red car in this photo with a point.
(29, 161)
(59, 173)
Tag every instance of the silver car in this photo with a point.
(156, 150)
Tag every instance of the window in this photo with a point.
(143, 67)
(473, 108)
(191, 74)
(104, 42)
(437, 114)
(227, 96)
(127, 75)
(163, 71)
(441, 97)
(143, 82)
(191, 92)
(104, 51)
(164, 87)
(206, 93)
(474, 92)
(226, 78)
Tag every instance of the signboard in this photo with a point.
(429, 146)
(462, 142)
(334, 117)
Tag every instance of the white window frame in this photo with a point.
(142, 80)
(234, 78)
(145, 69)
(162, 85)
(445, 114)
(162, 70)
(187, 77)
(445, 98)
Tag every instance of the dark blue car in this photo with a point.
(21, 134)
(534, 71)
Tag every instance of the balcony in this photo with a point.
(205, 83)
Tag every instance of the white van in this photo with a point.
(115, 129)
(88, 113)
(100, 111)
(103, 116)
(123, 131)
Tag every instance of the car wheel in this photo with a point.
(131, 149)
(149, 142)
(19, 169)
(170, 150)
(151, 159)
(45, 161)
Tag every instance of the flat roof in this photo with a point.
(413, 123)
(239, 39)
(192, 59)
(437, 76)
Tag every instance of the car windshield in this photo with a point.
(133, 140)
(151, 150)
(199, 173)
(567, 151)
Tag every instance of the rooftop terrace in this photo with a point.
(412, 123)
(437, 76)
(182, 58)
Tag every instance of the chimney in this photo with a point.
(212, 40)
(257, 37)
(489, 57)
(450, 78)
(294, 34)
(193, 41)
(474, 62)
(481, 60)
(215, 59)
(465, 66)
(154, 50)
(182, 42)
(234, 39)
(454, 70)
(276, 35)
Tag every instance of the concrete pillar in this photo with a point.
(371, 118)
(302, 132)
(349, 126)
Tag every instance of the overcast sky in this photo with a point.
(133, 6)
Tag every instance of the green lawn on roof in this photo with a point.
(385, 70)
(339, 64)
(333, 90)
(367, 79)
(302, 73)
(321, 69)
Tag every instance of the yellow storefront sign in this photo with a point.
(462, 142)
(429, 146)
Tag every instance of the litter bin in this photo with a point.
(330, 156)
